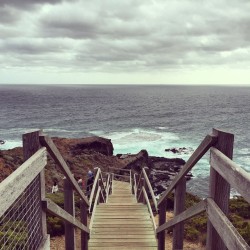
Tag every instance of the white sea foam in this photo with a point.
(162, 128)
(154, 141)
(10, 144)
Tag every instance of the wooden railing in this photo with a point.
(221, 234)
(224, 173)
(35, 147)
(141, 187)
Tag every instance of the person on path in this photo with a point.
(54, 188)
(90, 182)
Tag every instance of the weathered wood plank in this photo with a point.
(56, 155)
(15, 184)
(187, 214)
(94, 208)
(224, 227)
(162, 219)
(131, 240)
(219, 188)
(209, 141)
(179, 207)
(150, 189)
(237, 177)
(127, 236)
(69, 206)
(149, 209)
(128, 245)
(94, 187)
(106, 229)
(55, 210)
(84, 221)
(124, 248)
(118, 226)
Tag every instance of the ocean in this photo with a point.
(133, 117)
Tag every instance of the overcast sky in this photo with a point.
(125, 41)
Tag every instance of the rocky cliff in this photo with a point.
(88, 153)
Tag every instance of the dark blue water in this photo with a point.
(134, 117)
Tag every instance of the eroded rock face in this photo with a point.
(98, 144)
(79, 154)
(161, 170)
(88, 153)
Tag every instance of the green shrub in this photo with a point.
(15, 233)
(240, 207)
(55, 226)
(242, 226)
(58, 198)
(191, 233)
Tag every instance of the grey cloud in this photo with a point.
(130, 35)
(31, 46)
(22, 4)
(8, 15)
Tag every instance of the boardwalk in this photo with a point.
(122, 223)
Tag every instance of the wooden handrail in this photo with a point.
(150, 188)
(230, 236)
(237, 177)
(149, 207)
(135, 186)
(107, 184)
(94, 207)
(54, 209)
(56, 155)
(208, 142)
(187, 214)
(94, 188)
(13, 186)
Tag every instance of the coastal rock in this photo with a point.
(179, 150)
(88, 153)
(161, 170)
(79, 154)
(98, 144)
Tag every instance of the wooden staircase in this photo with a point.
(122, 223)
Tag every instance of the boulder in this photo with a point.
(98, 144)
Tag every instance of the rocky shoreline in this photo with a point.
(88, 153)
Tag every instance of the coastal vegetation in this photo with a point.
(195, 229)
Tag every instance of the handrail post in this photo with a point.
(101, 199)
(143, 185)
(162, 220)
(69, 206)
(84, 220)
(179, 206)
(131, 181)
(219, 189)
(111, 183)
(31, 145)
(135, 186)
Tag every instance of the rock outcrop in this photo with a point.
(98, 144)
(179, 150)
(88, 153)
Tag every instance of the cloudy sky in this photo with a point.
(125, 41)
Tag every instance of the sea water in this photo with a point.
(133, 117)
